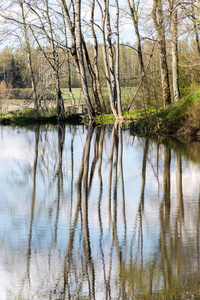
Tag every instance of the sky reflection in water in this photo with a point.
(97, 213)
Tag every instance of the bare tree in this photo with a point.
(194, 13)
(53, 60)
(112, 73)
(95, 60)
(81, 61)
(77, 48)
(68, 61)
(159, 24)
(9, 12)
(174, 44)
(119, 105)
(134, 16)
(29, 52)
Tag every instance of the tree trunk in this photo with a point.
(92, 73)
(77, 50)
(108, 69)
(174, 43)
(69, 80)
(81, 62)
(59, 99)
(68, 62)
(55, 64)
(96, 68)
(28, 48)
(108, 79)
(158, 20)
(119, 106)
(110, 51)
(195, 26)
(134, 17)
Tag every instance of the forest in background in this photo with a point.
(68, 45)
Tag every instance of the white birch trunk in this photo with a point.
(106, 64)
(119, 106)
(174, 43)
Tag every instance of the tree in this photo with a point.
(29, 52)
(134, 16)
(13, 12)
(159, 24)
(9, 69)
(174, 45)
(80, 59)
(95, 60)
(46, 27)
(76, 49)
(112, 73)
(195, 14)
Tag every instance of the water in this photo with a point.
(97, 213)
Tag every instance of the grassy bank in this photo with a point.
(180, 120)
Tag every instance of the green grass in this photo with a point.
(105, 119)
(77, 92)
(126, 94)
(6, 116)
(178, 119)
(27, 116)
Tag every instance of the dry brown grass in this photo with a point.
(5, 93)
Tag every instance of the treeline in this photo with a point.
(14, 68)
(79, 45)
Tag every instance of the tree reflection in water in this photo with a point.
(105, 219)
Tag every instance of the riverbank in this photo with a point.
(180, 120)
(21, 112)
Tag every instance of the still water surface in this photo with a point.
(97, 213)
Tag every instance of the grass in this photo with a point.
(77, 92)
(18, 94)
(126, 94)
(6, 116)
(180, 119)
(105, 119)
(27, 116)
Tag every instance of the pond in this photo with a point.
(97, 213)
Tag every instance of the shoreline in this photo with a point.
(139, 126)
(179, 120)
